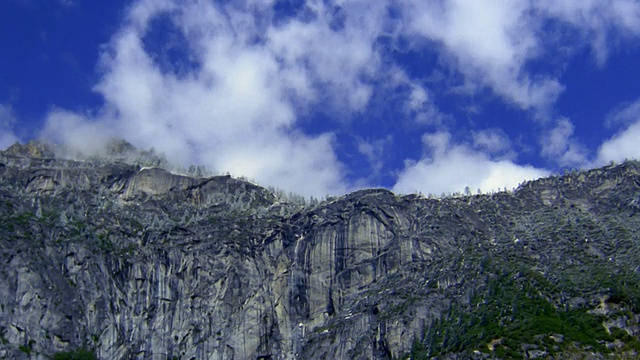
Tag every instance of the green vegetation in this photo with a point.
(499, 274)
(514, 312)
(27, 349)
(77, 354)
(3, 331)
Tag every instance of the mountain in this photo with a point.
(113, 257)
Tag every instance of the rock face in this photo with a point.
(140, 263)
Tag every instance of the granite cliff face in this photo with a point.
(140, 263)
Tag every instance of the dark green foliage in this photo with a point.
(77, 354)
(516, 309)
(25, 349)
(419, 350)
(631, 342)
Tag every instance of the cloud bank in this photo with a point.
(230, 85)
(234, 110)
(450, 167)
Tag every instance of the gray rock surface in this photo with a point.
(141, 263)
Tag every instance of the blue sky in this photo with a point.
(322, 97)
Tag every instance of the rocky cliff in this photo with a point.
(133, 262)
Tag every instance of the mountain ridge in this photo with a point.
(137, 262)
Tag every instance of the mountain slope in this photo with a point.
(135, 262)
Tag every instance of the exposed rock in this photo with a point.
(141, 263)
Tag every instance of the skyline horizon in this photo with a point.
(326, 97)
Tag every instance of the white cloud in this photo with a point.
(7, 121)
(489, 42)
(78, 132)
(623, 145)
(492, 42)
(339, 58)
(624, 115)
(375, 152)
(240, 105)
(600, 22)
(493, 142)
(418, 97)
(232, 113)
(414, 99)
(452, 167)
(559, 145)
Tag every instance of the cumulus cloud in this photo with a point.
(375, 153)
(451, 167)
(235, 109)
(624, 144)
(417, 103)
(624, 114)
(492, 42)
(231, 87)
(7, 121)
(78, 132)
(334, 51)
(601, 23)
(559, 145)
(494, 142)
(489, 42)
(621, 147)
